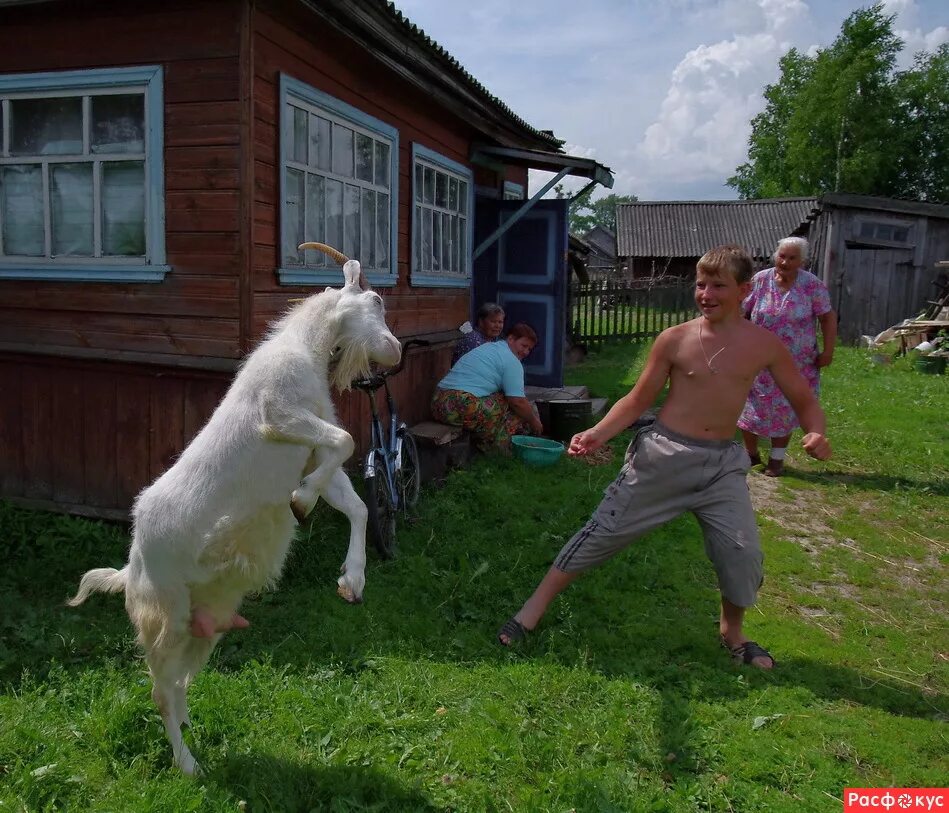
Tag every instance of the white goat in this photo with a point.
(218, 523)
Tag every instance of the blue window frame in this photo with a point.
(442, 220)
(339, 185)
(82, 191)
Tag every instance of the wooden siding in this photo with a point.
(88, 436)
(195, 310)
(873, 288)
(339, 67)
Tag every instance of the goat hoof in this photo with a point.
(345, 592)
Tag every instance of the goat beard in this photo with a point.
(350, 363)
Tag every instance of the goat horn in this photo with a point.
(341, 258)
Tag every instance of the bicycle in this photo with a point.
(391, 467)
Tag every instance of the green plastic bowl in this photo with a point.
(536, 451)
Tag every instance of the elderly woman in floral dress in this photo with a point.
(790, 302)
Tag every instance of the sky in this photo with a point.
(661, 91)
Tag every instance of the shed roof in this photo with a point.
(690, 228)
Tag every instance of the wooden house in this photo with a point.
(159, 163)
(601, 262)
(878, 257)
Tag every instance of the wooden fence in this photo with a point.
(603, 311)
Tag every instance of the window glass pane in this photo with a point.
(428, 193)
(418, 182)
(417, 249)
(382, 232)
(368, 257)
(334, 214)
(351, 222)
(463, 244)
(901, 235)
(426, 239)
(436, 249)
(319, 143)
(298, 152)
(463, 197)
(123, 208)
(46, 126)
(441, 190)
(342, 151)
(22, 191)
(71, 210)
(382, 165)
(453, 194)
(455, 245)
(866, 229)
(315, 214)
(363, 158)
(293, 212)
(118, 123)
(447, 243)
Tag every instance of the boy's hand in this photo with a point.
(824, 359)
(816, 445)
(583, 443)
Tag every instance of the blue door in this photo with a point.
(525, 272)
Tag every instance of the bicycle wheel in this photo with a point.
(408, 479)
(381, 515)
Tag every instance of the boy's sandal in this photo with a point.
(745, 653)
(775, 468)
(514, 630)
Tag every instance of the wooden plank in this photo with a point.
(36, 431)
(132, 437)
(201, 398)
(135, 35)
(202, 80)
(196, 179)
(11, 420)
(66, 429)
(178, 158)
(99, 423)
(167, 423)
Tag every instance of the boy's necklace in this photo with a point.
(708, 361)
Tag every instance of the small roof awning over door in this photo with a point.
(498, 157)
(541, 159)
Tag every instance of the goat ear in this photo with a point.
(352, 273)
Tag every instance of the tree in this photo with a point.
(585, 213)
(845, 120)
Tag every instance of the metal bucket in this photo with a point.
(568, 417)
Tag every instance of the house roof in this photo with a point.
(690, 228)
(602, 240)
(384, 30)
(880, 204)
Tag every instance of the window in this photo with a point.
(513, 191)
(884, 232)
(443, 194)
(82, 175)
(339, 186)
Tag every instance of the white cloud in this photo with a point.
(702, 129)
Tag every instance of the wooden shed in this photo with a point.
(159, 163)
(878, 258)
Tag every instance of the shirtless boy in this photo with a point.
(688, 459)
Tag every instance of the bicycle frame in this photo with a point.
(386, 451)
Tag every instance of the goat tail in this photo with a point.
(100, 580)
(337, 255)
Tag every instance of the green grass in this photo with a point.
(622, 700)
